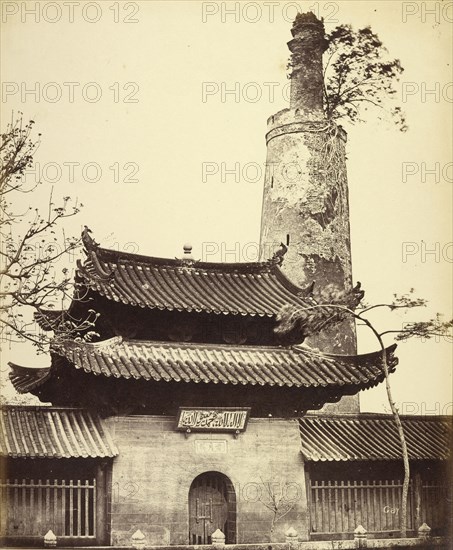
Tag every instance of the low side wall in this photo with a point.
(436, 542)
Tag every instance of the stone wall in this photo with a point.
(156, 465)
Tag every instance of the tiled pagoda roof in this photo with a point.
(218, 364)
(374, 437)
(258, 289)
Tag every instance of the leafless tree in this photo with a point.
(33, 242)
(278, 500)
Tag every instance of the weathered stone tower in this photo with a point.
(305, 203)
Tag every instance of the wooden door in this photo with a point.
(208, 507)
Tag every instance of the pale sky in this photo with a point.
(135, 111)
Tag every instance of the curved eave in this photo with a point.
(26, 379)
(49, 319)
(363, 357)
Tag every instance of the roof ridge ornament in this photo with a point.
(187, 247)
(308, 291)
(279, 254)
(88, 242)
(187, 258)
(91, 250)
(114, 341)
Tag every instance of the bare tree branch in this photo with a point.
(29, 280)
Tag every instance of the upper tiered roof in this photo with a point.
(256, 289)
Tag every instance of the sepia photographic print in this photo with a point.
(225, 279)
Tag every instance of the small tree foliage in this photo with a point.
(311, 321)
(359, 76)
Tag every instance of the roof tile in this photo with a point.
(258, 288)
(53, 432)
(214, 363)
(373, 437)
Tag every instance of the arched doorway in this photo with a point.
(212, 506)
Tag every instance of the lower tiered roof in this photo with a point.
(293, 366)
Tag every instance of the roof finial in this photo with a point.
(187, 247)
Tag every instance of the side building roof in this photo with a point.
(374, 437)
(52, 432)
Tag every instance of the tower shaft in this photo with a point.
(305, 202)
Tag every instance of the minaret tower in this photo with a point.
(305, 203)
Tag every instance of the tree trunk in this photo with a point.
(399, 425)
